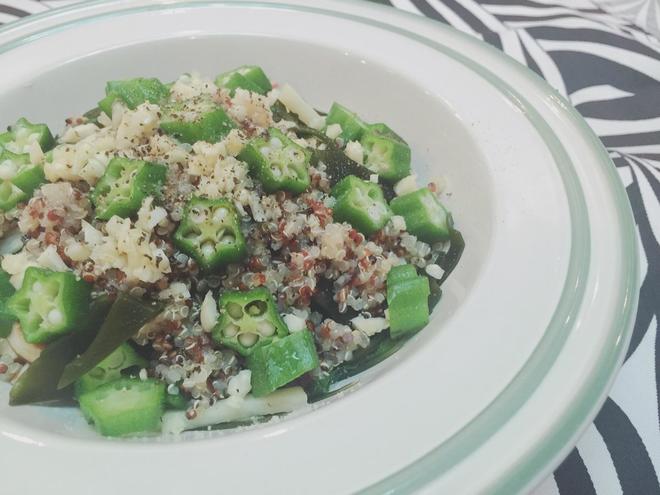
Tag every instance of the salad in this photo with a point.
(209, 253)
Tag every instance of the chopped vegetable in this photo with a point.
(407, 301)
(361, 204)
(124, 185)
(424, 214)
(19, 178)
(39, 382)
(202, 120)
(282, 361)
(400, 273)
(210, 233)
(125, 318)
(385, 153)
(109, 369)
(249, 77)
(49, 304)
(237, 408)
(124, 407)
(133, 92)
(20, 137)
(7, 319)
(352, 127)
(295, 103)
(248, 320)
(278, 163)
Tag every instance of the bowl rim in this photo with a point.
(427, 468)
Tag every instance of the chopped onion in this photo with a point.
(236, 408)
(294, 103)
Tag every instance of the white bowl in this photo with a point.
(532, 326)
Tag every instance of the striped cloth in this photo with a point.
(604, 55)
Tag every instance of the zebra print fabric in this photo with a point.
(604, 55)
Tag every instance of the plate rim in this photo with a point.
(410, 478)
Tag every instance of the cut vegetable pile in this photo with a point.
(209, 253)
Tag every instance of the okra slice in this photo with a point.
(400, 273)
(360, 203)
(248, 320)
(278, 163)
(49, 304)
(210, 233)
(6, 291)
(352, 126)
(282, 361)
(199, 119)
(425, 216)
(19, 178)
(407, 301)
(20, 137)
(133, 92)
(127, 406)
(385, 153)
(109, 369)
(249, 77)
(124, 185)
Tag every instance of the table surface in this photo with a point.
(604, 55)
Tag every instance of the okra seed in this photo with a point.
(247, 339)
(208, 249)
(256, 308)
(227, 239)
(235, 310)
(275, 143)
(266, 328)
(220, 214)
(55, 317)
(231, 331)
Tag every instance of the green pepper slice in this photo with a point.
(248, 320)
(360, 203)
(110, 369)
(276, 364)
(23, 133)
(407, 301)
(197, 120)
(133, 92)
(352, 126)
(19, 178)
(386, 154)
(125, 318)
(124, 407)
(249, 77)
(425, 216)
(7, 290)
(39, 382)
(49, 304)
(124, 185)
(277, 162)
(210, 233)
